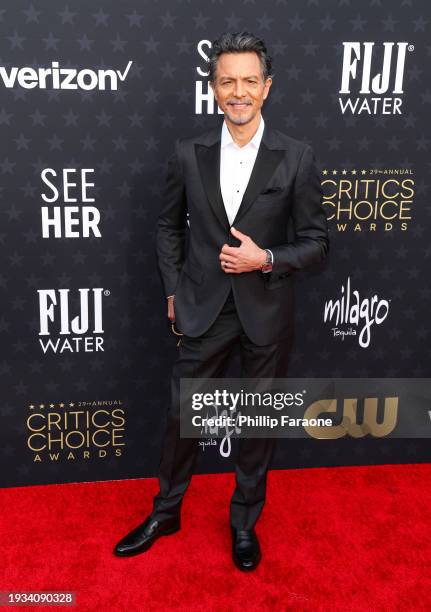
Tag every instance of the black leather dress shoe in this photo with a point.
(143, 537)
(245, 549)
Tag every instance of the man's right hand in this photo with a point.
(171, 309)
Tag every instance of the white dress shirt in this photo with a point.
(236, 165)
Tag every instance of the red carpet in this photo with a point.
(332, 539)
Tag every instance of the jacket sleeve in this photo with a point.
(172, 224)
(311, 242)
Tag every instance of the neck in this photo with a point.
(242, 134)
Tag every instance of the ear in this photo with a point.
(268, 84)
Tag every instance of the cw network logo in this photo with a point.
(63, 78)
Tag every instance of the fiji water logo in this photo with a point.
(373, 85)
(353, 316)
(71, 323)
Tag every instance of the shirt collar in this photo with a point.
(227, 139)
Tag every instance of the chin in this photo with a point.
(240, 120)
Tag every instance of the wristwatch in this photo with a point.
(267, 265)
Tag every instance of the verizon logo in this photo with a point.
(63, 78)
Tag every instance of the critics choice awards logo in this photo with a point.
(76, 430)
(368, 200)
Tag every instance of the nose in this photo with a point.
(239, 89)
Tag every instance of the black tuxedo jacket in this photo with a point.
(281, 210)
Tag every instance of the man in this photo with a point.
(233, 197)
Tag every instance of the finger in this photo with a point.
(229, 250)
(228, 259)
(226, 266)
(238, 234)
(229, 263)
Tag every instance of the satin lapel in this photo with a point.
(209, 166)
(264, 167)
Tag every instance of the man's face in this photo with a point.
(239, 88)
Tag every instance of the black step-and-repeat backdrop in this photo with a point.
(92, 99)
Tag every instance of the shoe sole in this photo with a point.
(146, 547)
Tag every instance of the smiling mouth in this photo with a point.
(239, 106)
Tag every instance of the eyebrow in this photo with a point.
(252, 76)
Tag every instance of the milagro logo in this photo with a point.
(360, 69)
(60, 331)
(352, 315)
(63, 78)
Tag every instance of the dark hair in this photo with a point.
(238, 42)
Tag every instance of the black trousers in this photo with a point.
(207, 357)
